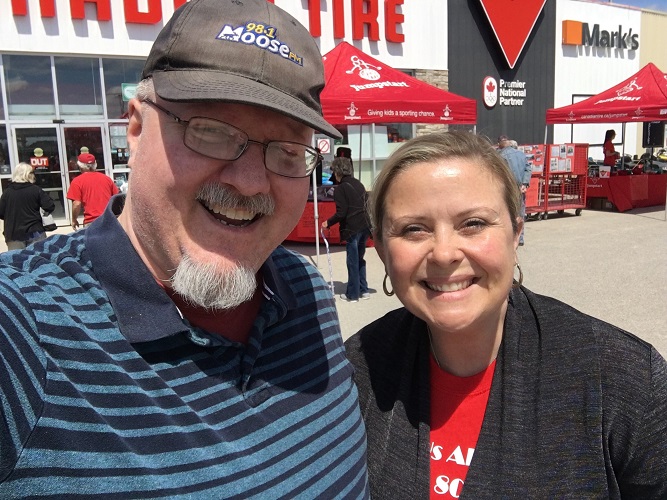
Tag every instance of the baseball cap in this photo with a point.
(502, 138)
(86, 158)
(249, 52)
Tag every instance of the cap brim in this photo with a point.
(198, 86)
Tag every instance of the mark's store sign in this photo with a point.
(364, 14)
(579, 33)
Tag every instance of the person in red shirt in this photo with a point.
(89, 191)
(610, 153)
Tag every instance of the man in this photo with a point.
(90, 191)
(521, 169)
(350, 197)
(173, 348)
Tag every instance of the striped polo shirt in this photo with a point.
(105, 390)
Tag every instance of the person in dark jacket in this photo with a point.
(477, 387)
(20, 205)
(350, 197)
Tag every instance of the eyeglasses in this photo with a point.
(223, 141)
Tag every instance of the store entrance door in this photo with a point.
(52, 150)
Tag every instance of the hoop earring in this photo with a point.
(384, 286)
(517, 284)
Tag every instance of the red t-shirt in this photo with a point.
(93, 189)
(458, 405)
(610, 161)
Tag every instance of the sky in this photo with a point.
(645, 4)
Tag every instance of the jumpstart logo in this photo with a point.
(352, 113)
(371, 73)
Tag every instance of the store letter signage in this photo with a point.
(512, 24)
(578, 33)
(47, 8)
(365, 14)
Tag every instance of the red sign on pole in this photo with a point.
(512, 22)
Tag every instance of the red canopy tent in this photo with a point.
(360, 89)
(640, 98)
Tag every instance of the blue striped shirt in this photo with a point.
(105, 390)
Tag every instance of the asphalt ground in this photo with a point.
(610, 265)
(606, 264)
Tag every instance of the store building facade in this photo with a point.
(68, 68)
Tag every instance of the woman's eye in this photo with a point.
(410, 230)
(474, 224)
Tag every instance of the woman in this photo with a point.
(610, 153)
(480, 387)
(19, 208)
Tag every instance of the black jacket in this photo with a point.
(577, 408)
(350, 197)
(19, 208)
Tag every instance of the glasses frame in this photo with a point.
(265, 145)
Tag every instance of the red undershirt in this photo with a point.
(233, 324)
(457, 411)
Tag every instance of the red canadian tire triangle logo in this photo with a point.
(512, 21)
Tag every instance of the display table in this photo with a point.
(629, 191)
(304, 232)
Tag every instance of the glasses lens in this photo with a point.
(214, 138)
(290, 159)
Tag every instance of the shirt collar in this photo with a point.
(143, 309)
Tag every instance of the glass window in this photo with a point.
(120, 153)
(116, 73)
(4, 151)
(2, 106)
(29, 86)
(79, 88)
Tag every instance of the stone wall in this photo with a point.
(437, 78)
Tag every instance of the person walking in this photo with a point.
(350, 197)
(90, 192)
(20, 206)
(521, 169)
(175, 348)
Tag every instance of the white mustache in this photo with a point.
(229, 199)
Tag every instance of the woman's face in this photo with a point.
(448, 246)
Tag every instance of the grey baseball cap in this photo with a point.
(240, 51)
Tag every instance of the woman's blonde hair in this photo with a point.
(440, 146)
(23, 173)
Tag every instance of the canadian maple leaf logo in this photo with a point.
(491, 87)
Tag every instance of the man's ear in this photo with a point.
(134, 128)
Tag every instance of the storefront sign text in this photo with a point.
(364, 14)
(580, 33)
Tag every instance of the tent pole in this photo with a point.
(361, 148)
(317, 219)
(623, 146)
